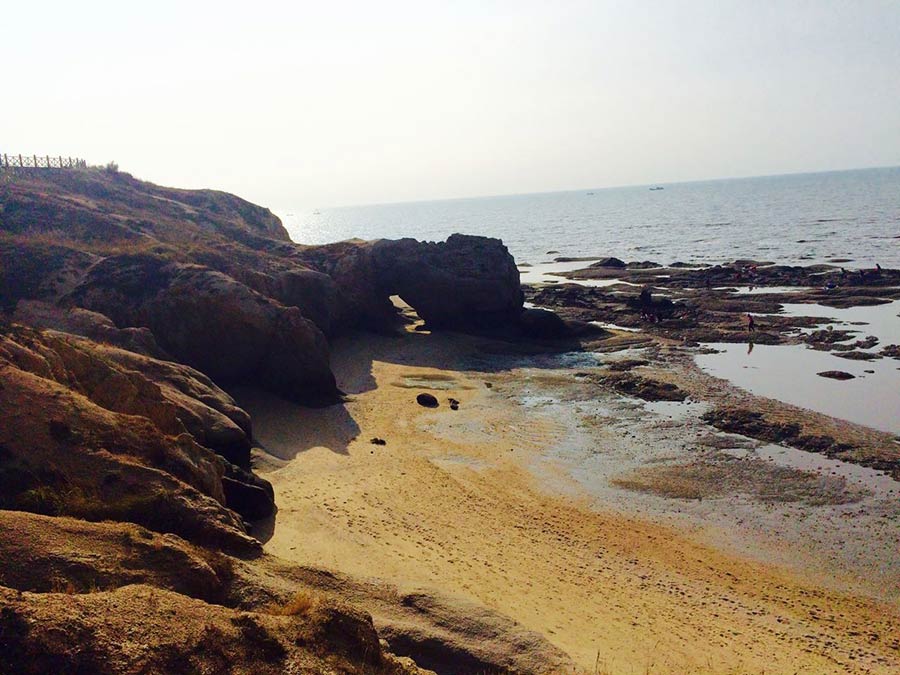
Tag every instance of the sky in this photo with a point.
(326, 104)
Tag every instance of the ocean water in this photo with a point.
(793, 219)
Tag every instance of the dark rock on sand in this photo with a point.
(378, 441)
(836, 375)
(427, 400)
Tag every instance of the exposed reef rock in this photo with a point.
(836, 375)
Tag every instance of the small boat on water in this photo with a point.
(657, 188)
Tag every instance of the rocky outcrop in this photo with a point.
(121, 435)
(76, 556)
(38, 271)
(142, 629)
(108, 206)
(93, 325)
(464, 282)
(209, 321)
(176, 398)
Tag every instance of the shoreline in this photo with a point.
(485, 503)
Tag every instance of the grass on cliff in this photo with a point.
(301, 604)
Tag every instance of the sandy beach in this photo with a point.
(624, 533)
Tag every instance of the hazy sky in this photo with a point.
(331, 103)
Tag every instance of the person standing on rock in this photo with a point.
(751, 324)
(646, 302)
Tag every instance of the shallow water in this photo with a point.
(882, 321)
(788, 373)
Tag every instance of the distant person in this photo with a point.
(751, 324)
(645, 299)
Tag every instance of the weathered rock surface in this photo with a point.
(209, 321)
(107, 442)
(70, 555)
(77, 202)
(132, 630)
(466, 281)
(93, 325)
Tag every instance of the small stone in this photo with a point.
(378, 441)
(427, 400)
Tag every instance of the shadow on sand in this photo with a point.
(285, 429)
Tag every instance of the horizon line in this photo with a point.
(607, 187)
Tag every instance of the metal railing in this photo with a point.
(40, 162)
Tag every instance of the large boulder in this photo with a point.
(467, 281)
(213, 323)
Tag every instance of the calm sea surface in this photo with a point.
(797, 219)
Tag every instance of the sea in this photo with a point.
(849, 216)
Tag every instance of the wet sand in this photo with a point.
(540, 498)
